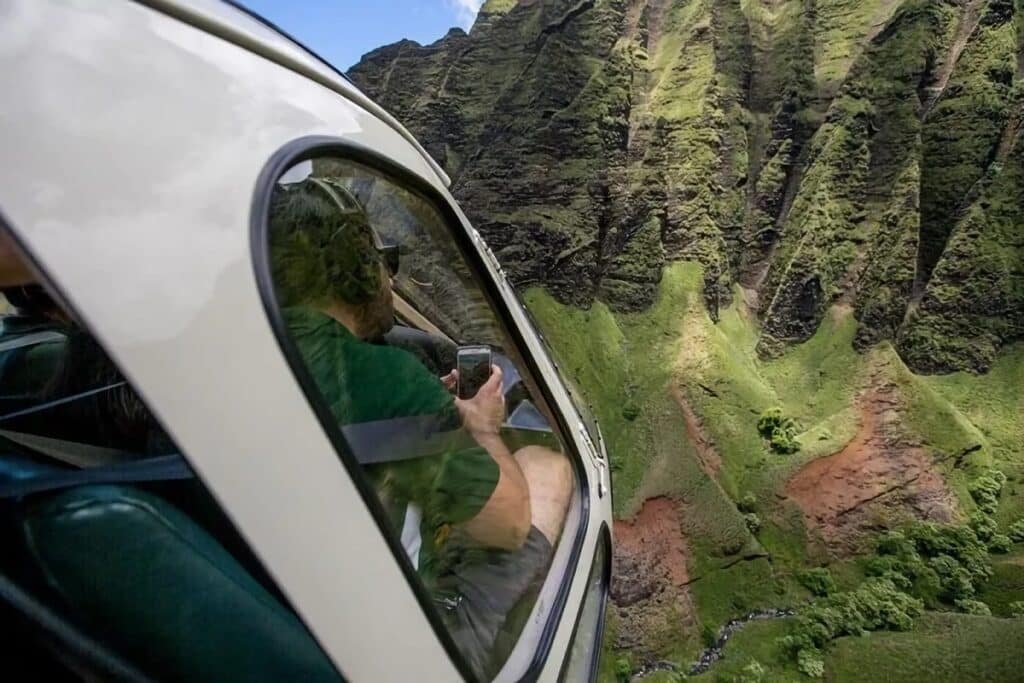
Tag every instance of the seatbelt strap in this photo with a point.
(69, 452)
(161, 468)
(18, 346)
(372, 443)
(61, 401)
(403, 438)
(31, 339)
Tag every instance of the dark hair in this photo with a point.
(319, 253)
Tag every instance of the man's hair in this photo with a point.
(318, 253)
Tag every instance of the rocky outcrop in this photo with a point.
(813, 151)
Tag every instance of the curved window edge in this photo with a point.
(305, 149)
(604, 540)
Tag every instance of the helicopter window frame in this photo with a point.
(604, 544)
(318, 146)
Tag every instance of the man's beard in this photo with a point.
(377, 317)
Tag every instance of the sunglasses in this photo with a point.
(388, 251)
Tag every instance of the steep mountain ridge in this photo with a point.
(812, 151)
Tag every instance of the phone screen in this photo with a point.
(474, 366)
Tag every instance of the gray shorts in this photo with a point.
(488, 595)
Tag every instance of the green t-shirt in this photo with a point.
(364, 382)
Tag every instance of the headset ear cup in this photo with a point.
(29, 298)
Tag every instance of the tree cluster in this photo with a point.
(779, 430)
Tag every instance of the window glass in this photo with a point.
(585, 651)
(106, 526)
(584, 408)
(428, 391)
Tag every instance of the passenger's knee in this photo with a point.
(545, 466)
(550, 479)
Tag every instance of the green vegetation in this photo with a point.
(818, 581)
(1006, 587)
(810, 663)
(779, 431)
(989, 411)
(624, 372)
(753, 672)
(497, 6)
(985, 491)
(943, 647)
(976, 607)
(623, 668)
(937, 563)
(875, 605)
(748, 503)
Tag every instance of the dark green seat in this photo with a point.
(157, 588)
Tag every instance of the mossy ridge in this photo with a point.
(582, 132)
(843, 28)
(963, 128)
(974, 302)
(818, 243)
(870, 119)
(887, 280)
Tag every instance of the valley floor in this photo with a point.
(715, 524)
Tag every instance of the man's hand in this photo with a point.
(504, 521)
(483, 414)
(451, 381)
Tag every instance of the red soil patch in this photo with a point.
(877, 476)
(654, 538)
(650, 576)
(710, 460)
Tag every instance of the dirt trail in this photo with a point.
(968, 22)
(710, 460)
(1010, 133)
(879, 475)
(649, 586)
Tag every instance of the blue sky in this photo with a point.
(341, 31)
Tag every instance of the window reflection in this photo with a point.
(379, 302)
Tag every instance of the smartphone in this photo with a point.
(474, 366)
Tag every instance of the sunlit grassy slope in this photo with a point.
(943, 647)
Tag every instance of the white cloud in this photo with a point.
(465, 11)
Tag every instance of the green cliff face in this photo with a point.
(815, 152)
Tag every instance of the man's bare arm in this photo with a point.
(504, 521)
